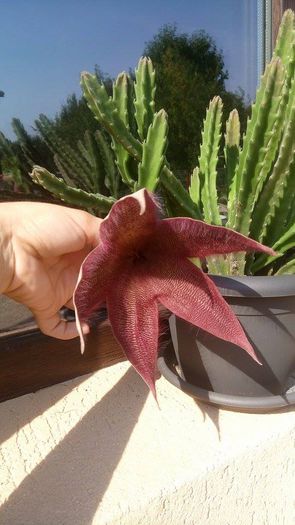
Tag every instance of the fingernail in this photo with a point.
(85, 328)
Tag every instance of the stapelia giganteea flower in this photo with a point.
(142, 261)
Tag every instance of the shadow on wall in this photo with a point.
(69, 484)
(31, 406)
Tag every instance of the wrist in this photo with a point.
(6, 249)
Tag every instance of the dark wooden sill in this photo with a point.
(30, 360)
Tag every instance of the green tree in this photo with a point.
(190, 70)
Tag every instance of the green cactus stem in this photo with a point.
(71, 195)
(111, 178)
(72, 166)
(153, 152)
(286, 38)
(208, 172)
(123, 92)
(11, 165)
(106, 112)
(289, 198)
(288, 268)
(232, 154)
(257, 152)
(145, 89)
(68, 180)
(92, 152)
(195, 188)
(281, 246)
(208, 161)
(179, 198)
(273, 191)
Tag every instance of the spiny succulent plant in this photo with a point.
(138, 140)
(260, 167)
(260, 171)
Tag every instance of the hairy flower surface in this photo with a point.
(141, 262)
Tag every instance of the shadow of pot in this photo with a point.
(265, 307)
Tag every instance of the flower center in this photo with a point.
(138, 257)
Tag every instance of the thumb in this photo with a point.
(56, 327)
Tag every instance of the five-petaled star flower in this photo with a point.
(143, 261)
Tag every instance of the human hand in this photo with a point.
(42, 248)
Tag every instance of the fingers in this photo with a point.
(56, 327)
(89, 224)
(59, 231)
(70, 304)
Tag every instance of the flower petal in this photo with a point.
(190, 294)
(187, 237)
(97, 274)
(130, 221)
(133, 314)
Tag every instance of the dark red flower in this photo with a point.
(141, 262)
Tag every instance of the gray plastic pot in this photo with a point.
(265, 306)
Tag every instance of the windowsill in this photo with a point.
(98, 450)
(30, 360)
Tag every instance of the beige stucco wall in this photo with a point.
(97, 450)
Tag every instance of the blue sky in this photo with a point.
(45, 44)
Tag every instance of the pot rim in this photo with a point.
(258, 286)
(231, 402)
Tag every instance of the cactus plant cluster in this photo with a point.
(89, 174)
(11, 166)
(261, 172)
(136, 158)
(260, 167)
